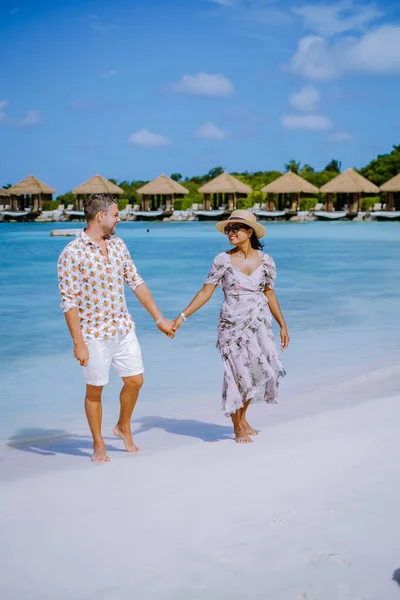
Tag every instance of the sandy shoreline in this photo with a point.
(308, 512)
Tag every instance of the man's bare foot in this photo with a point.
(241, 437)
(127, 439)
(100, 455)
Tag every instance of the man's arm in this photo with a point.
(69, 290)
(81, 351)
(142, 292)
(145, 298)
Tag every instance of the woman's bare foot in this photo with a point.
(241, 437)
(248, 428)
(126, 438)
(100, 454)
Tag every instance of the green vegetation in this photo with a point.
(380, 170)
(383, 168)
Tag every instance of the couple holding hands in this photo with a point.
(93, 270)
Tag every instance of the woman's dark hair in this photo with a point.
(254, 241)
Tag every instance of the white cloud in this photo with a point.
(338, 17)
(209, 131)
(31, 119)
(203, 84)
(309, 122)
(148, 139)
(306, 100)
(374, 53)
(223, 2)
(340, 136)
(109, 73)
(312, 59)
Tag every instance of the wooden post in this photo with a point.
(168, 203)
(328, 203)
(230, 199)
(14, 203)
(354, 205)
(389, 201)
(79, 202)
(145, 203)
(207, 202)
(270, 202)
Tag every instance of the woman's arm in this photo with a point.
(278, 316)
(198, 301)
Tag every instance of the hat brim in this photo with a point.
(258, 229)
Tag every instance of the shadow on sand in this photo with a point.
(50, 442)
(208, 432)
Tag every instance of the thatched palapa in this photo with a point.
(393, 185)
(30, 193)
(160, 193)
(95, 185)
(390, 188)
(4, 193)
(226, 189)
(289, 183)
(349, 182)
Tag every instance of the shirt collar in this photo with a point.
(87, 240)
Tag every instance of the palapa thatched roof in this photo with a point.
(162, 185)
(350, 182)
(4, 193)
(30, 186)
(290, 183)
(97, 185)
(393, 185)
(225, 184)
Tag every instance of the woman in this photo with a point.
(252, 367)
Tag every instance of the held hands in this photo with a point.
(177, 323)
(285, 339)
(81, 353)
(166, 326)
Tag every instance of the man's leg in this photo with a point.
(93, 409)
(128, 397)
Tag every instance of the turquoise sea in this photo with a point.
(338, 285)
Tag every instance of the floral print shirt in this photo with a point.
(95, 285)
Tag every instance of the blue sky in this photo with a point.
(130, 89)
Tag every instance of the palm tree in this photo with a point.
(334, 165)
(293, 166)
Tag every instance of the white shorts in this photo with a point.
(121, 351)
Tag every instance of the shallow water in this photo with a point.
(338, 285)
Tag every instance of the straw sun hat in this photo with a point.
(246, 218)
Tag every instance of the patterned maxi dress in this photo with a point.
(252, 367)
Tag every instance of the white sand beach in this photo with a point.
(307, 512)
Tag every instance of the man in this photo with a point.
(92, 271)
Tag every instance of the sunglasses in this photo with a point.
(234, 228)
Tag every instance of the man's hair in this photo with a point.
(97, 202)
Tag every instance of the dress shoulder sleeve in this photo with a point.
(269, 271)
(218, 269)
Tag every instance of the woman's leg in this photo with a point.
(249, 430)
(241, 436)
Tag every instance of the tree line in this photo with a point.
(379, 170)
